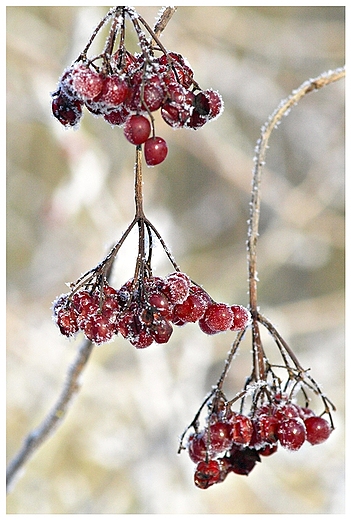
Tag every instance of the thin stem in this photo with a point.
(138, 186)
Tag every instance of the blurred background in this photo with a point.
(70, 197)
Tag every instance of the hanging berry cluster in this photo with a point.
(126, 89)
(143, 310)
(146, 307)
(268, 416)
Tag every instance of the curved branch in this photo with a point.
(283, 109)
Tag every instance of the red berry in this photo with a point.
(114, 91)
(191, 310)
(218, 317)
(161, 331)
(197, 446)
(67, 110)
(177, 287)
(155, 151)
(317, 429)
(291, 433)
(137, 129)
(241, 317)
(241, 428)
(86, 82)
(160, 302)
(117, 117)
(219, 437)
(207, 474)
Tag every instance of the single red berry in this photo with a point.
(241, 317)
(268, 449)
(176, 287)
(317, 429)
(207, 474)
(159, 301)
(218, 317)
(137, 129)
(219, 437)
(285, 411)
(215, 103)
(197, 446)
(117, 117)
(67, 110)
(65, 316)
(114, 91)
(161, 331)
(190, 311)
(267, 427)
(155, 151)
(241, 428)
(86, 82)
(205, 327)
(141, 340)
(291, 433)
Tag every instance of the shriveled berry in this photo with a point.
(207, 474)
(243, 460)
(67, 110)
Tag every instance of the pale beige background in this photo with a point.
(69, 197)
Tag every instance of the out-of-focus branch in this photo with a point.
(37, 436)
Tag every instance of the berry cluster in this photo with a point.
(144, 312)
(126, 89)
(234, 442)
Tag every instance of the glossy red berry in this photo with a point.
(291, 433)
(241, 428)
(114, 91)
(137, 129)
(155, 151)
(218, 317)
(317, 429)
(219, 437)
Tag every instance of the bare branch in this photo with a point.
(53, 419)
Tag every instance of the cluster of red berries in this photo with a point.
(144, 312)
(125, 91)
(234, 442)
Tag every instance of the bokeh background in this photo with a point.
(70, 197)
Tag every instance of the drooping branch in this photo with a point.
(283, 109)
